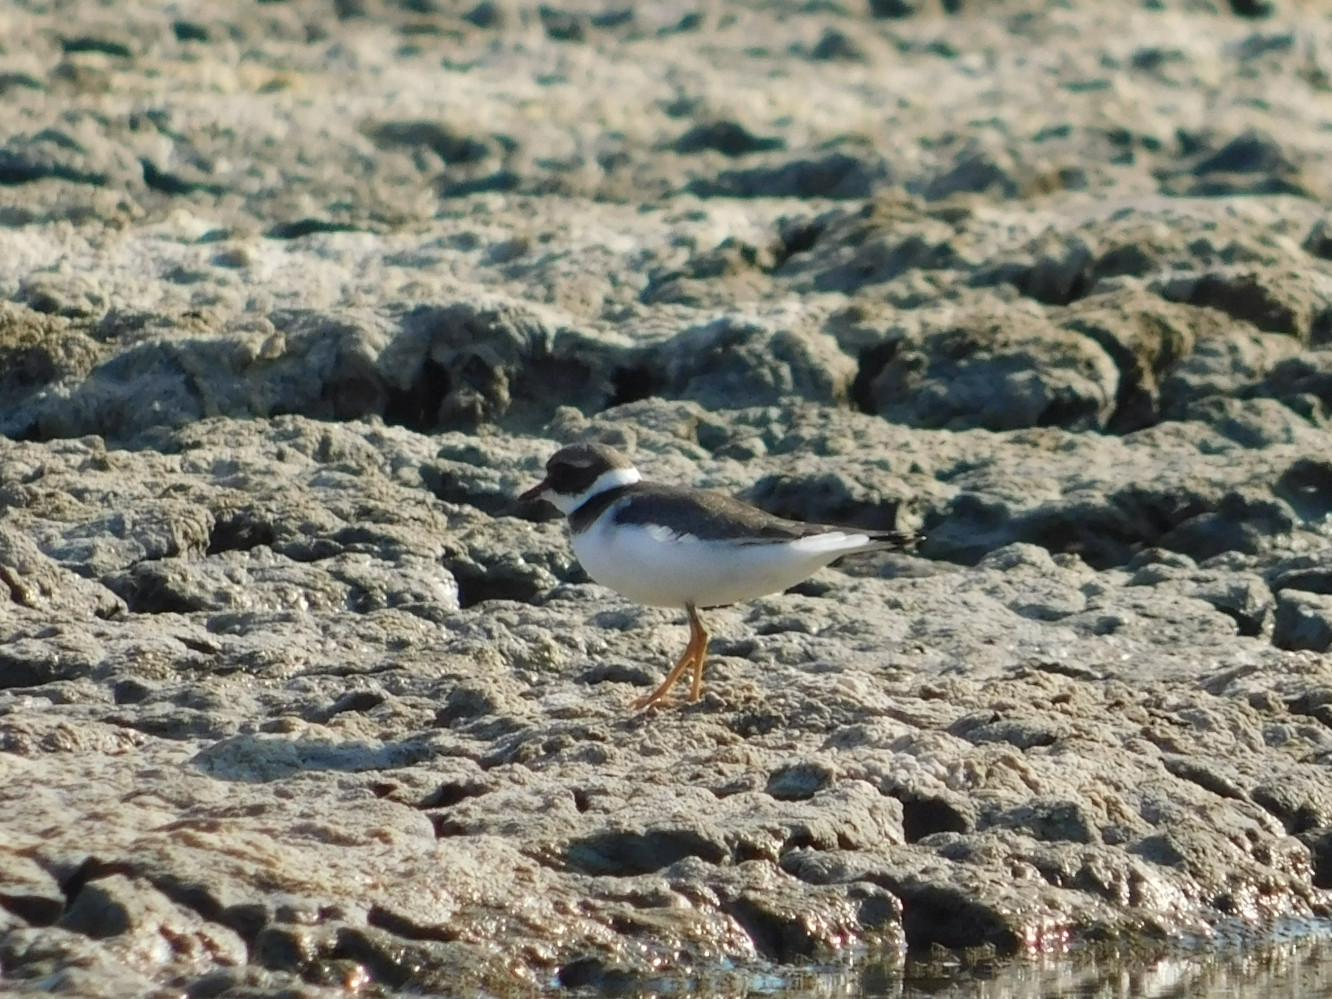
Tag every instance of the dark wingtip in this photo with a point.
(901, 540)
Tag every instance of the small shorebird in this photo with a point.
(668, 546)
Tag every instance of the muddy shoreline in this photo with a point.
(297, 297)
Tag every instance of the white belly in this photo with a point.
(648, 565)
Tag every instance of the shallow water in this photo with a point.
(1295, 968)
(1295, 964)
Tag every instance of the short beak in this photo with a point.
(534, 493)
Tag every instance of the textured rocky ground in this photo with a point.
(295, 297)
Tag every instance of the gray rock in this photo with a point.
(758, 359)
(892, 8)
(430, 365)
(1303, 621)
(1252, 8)
(1000, 373)
(974, 172)
(835, 175)
(52, 153)
(726, 137)
(1311, 573)
(34, 580)
(562, 25)
(1145, 338)
(1298, 797)
(486, 14)
(836, 46)
(1291, 303)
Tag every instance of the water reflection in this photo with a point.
(1296, 967)
(1294, 963)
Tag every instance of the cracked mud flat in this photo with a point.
(295, 298)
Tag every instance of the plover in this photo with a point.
(668, 546)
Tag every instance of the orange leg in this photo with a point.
(695, 654)
(696, 629)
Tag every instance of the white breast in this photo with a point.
(649, 565)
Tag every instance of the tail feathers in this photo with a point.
(838, 542)
(895, 540)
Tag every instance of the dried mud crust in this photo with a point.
(296, 298)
